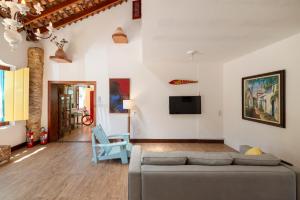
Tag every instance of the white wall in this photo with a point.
(96, 58)
(13, 135)
(281, 142)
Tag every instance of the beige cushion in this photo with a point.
(260, 160)
(211, 159)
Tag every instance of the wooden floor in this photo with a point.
(80, 134)
(63, 171)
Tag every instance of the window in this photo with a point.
(14, 94)
(2, 69)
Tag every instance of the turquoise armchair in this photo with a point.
(103, 149)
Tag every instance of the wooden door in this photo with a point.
(64, 114)
(55, 88)
(53, 110)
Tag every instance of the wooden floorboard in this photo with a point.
(80, 134)
(63, 171)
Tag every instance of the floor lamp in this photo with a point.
(128, 104)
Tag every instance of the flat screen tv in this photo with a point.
(185, 104)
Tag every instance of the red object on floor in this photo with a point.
(181, 82)
(43, 136)
(92, 104)
(29, 139)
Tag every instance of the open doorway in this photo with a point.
(71, 110)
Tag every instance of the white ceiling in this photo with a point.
(220, 29)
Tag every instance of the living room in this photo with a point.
(207, 49)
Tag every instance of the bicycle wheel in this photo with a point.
(87, 120)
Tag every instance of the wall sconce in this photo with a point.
(119, 37)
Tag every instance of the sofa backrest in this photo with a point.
(207, 158)
(232, 182)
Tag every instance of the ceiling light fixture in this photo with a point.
(119, 37)
(14, 14)
(49, 34)
(192, 53)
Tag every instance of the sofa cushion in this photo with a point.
(260, 160)
(211, 159)
(163, 158)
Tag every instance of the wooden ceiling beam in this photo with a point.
(85, 13)
(51, 11)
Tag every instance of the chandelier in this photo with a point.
(14, 14)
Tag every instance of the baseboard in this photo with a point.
(23, 145)
(216, 141)
(19, 146)
(74, 142)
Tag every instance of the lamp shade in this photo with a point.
(119, 36)
(128, 104)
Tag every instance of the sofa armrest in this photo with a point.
(297, 172)
(134, 174)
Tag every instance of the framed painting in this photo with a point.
(263, 98)
(119, 90)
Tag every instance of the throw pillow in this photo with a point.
(255, 151)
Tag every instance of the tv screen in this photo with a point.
(185, 104)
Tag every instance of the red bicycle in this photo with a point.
(86, 118)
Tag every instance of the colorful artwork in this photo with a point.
(264, 98)
(119, 90)
(181, 82)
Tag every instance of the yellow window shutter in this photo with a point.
(19, 95)
(16, 95)
(26, 94)
(9, 80)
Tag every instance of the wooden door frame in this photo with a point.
(50, 83)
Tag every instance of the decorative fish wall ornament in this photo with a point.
(181, 82)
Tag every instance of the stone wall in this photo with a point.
(36, 68)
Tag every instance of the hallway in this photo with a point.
(80, 134)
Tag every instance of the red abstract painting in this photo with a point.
(119, 90)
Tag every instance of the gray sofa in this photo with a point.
(163, 176)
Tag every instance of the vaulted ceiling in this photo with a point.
(220, 30)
